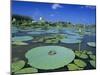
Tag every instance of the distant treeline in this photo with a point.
(22, 21)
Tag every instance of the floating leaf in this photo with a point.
(22, 38)
(73, 67)
(70, 40)
(80, 63)
(15, 66)
(89, 52)
(81, 54)
(84, 56)
(27, 70)
(93, 57)
(19, 43)
(49, 57)
(92, 44)
(93, 63)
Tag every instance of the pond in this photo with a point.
(48, 38)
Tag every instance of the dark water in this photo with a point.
(19, 51)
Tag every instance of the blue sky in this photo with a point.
(77, 14)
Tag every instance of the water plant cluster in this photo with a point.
(52, 54)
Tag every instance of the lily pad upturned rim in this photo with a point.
(49, 57)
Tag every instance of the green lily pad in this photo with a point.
(51, 41)
(93, 63)
(15, 66)
(73, 67)
(27, 70)
(80, 63)
(22, 38)
(19, 43)
(93, 57)
(49, 57)
(81, 54)
(92, 44)
(89, 52)
(70, 40)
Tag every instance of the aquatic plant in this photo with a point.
(92, 56)
(26, 71)
(19, 43)
(81, 54)
(65, 40)
(72, 67)
(17, 67)
(80, 63)
(22, 38)
(93, 63)
(92, 44)
(49, 57)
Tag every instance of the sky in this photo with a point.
(76, 14)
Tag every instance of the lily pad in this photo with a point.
(49, 57)
(27, 70)
(93, 57)
(51, 41)
(19, 43)
(92, 44)
(70, 41)
(35, 33)
(80, 63)
(22, 38)
(89, 52)
(73, 67)
(81, 54)
(93, 63)
(15, 66)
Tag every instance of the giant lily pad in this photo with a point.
(22, 38)
(49, 57)
(15, 66)
(80, 63)
(92, 44)
(70, 41)
(93, 63)
(73, 67)
(26, 71)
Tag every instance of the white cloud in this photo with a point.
(55, 6)
(90, 7)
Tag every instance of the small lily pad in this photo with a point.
(73, 67)
(51, 41)
(93, 63)
(80, 63)
(89, 52)
(81, 54)
(92, 44)
(22, 38)
(27, 70)
(93, 57)
(15, 66)
(19, 43)
(65, 40)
